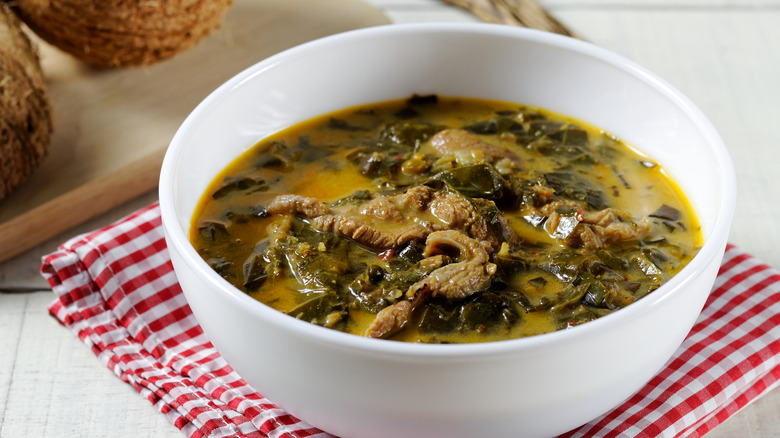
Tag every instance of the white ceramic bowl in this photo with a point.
(358, 387)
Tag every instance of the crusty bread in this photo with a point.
(118, 33)
(25, 112)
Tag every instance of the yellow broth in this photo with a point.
(548, 176)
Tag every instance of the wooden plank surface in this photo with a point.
(111, 127)
(43, 393)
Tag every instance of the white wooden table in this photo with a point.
(723, 54)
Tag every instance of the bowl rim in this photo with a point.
(712, 247)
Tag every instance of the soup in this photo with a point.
(445, 220)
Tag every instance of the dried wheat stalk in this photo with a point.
(526, 13)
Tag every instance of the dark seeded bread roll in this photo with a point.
(25, 113)
(119, 33)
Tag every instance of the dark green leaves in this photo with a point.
(340, 124)
(485, 312)
(568, 219)
(356, 197)
(319, 308)
(475, 181)
(572, 186)
(667, 213)
(213, 232)
(496, 126)
(254, 272)
(408, 135)
(245, 184)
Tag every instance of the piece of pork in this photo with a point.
(594, 229)
(391, 221)
(368, 223)
(383, 208)
(363, 231)
(470, 273)
(608, 226)
(449, 141)
(598, 229)
(454, 211)
(390, 320)
(296, 204)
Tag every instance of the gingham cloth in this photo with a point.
(117, 291)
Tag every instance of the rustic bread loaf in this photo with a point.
(117, 33)
(25, 112)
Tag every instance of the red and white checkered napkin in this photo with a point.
(117, 291)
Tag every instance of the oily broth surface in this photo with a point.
(630, 181)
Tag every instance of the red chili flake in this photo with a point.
(386, 255)
(481, 327)
(579, 215)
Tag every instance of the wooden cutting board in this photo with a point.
(111, 127)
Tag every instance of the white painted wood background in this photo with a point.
(723, 54)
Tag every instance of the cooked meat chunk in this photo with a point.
(543, 194)
(390, 221)
(389, 320)
(450, 210)
(279, 227)
(359, 224)
(470, 274)
(604, 217)
(363, 231)
(452, 140)
(495, 230)
(588, 238)
(590, 229)
(556, 203)
(295, 204)
(611, 226)
(456, 212)
(416, 197)
(597, 229)
(382, 207)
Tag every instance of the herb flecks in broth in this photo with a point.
(445, 220)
